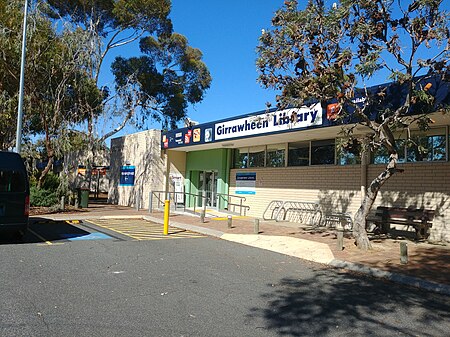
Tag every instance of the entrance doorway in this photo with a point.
(208, 187)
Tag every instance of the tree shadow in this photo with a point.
(440, 204)
(41, 229)
(332, 202)
(334, 303)
(149, 165)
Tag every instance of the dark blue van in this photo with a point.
(14, 193)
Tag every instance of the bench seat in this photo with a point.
(419, 218)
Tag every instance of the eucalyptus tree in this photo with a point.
(64, 95)
(57, 84)
(168, 76)
(114, 25)
(330, 50)
(10, 36)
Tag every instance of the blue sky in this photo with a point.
(227, 33)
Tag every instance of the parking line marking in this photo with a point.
(114, 230)
(233, 217)
(146, 230)
(40, 237)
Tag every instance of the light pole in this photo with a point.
(22, 79)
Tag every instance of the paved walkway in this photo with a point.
(428, 266)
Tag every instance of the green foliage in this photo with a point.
(40, 197)
(51, 191)
(325, 52)
(170, 75)
(57, 91)
(158, 85)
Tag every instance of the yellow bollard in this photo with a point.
(166, 217)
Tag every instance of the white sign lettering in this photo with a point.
(275, 121)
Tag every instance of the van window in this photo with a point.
(12, 181)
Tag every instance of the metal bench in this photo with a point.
(419, 218)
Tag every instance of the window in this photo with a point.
(275, 155)
(348, 153)
(322, 152)
(381, 156)
(429, 146)
(12, 181)
(256, 156)
(241, 157)
(298, 154)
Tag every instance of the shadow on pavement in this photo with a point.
(340, 304)
(41, 230)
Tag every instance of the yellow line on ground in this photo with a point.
(146, 231)
(40, 237)
(73, 222)
(114, 230)
(234, 217)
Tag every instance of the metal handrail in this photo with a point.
(228, 198)
(160, 201)
(161, 195)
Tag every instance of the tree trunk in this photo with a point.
(45, 171)
(359, 225)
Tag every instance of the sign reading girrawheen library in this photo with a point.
(270, 122)
(252, 125)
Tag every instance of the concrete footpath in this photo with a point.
(428, 264)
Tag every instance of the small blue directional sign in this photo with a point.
(127, 176)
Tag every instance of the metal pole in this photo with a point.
(22, 80)
(150, 202)
(166, 217)
(138, 199)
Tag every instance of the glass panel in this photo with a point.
(298, 154)
(210, 188)
(322, 152)
(256, 156)
(12, 181)
(241, 157)
(275, 155)
(381, 155)
(348, 152)
(429, 146)
(201, 192)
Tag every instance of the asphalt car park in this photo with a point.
(49, 232)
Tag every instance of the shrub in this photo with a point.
(43, 197)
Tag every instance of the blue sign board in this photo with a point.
(245, 183)
(127, 176)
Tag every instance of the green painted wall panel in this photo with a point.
(208, 160)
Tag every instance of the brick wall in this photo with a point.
(338, 189)
(424, 185)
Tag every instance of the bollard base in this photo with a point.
(256, 226)
(403, 253)
(202, 217)
(340, 239)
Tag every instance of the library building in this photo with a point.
(284, 165)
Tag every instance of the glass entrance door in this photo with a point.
(208, 185)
